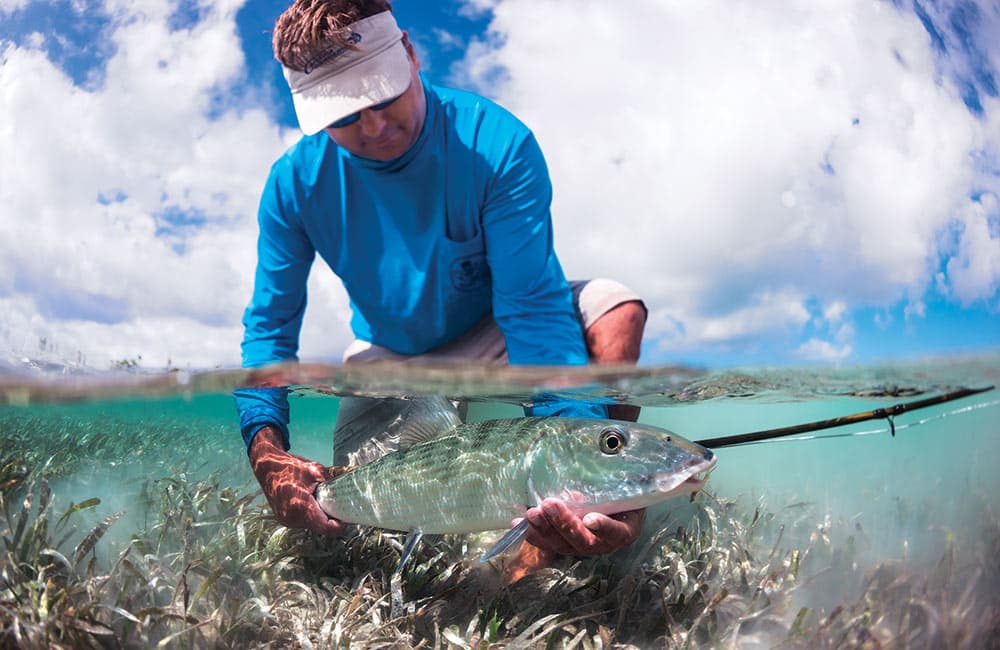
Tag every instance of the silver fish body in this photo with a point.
(479, 476)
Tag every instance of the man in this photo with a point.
(432, 207)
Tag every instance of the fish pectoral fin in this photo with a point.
(396, 581)
(511, 539)
(408, 547)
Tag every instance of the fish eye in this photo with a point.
(612, 441)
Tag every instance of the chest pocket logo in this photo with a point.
(470, 272)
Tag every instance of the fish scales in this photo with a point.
(471, 480)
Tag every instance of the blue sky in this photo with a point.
(784, 184)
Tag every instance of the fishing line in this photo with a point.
(899, 427)
(887, 413)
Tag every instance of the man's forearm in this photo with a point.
(288, 482)
(266, 443)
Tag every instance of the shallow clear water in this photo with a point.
(911, 498)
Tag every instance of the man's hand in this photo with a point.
(288, 482)
(555, 528)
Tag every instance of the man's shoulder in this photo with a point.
(292, 179)
(300, 164)
(471, 110)
(307, 150)
(465, 99)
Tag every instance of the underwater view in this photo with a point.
(130, 517)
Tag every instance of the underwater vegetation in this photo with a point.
(194, 559)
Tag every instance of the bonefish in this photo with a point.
(479, 476)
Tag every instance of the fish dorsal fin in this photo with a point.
(424, 419)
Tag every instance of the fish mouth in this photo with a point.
(693, 482)
(696, 482)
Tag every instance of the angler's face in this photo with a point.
(389, 132)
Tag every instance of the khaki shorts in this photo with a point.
(484, 342)
(366, 427)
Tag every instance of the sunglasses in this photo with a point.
(354, 117)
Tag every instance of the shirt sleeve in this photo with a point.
(273, 318)
(261, 407)
(532, 301)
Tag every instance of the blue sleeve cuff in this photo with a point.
(261, 407)
(546, 405)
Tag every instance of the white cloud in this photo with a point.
(977, 263)
(87, 175)
(835, 311)
(476, 8)
(10, 6)
(766, 314)
(823, 351)
(844, 332)
(446, 40)
(157, 340)
(712, 153)
(883, 320)
(916, 309)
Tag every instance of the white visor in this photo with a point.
(348, 78)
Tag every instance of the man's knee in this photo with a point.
(616, 337)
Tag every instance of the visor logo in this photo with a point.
(329, 55)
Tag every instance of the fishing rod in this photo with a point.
(886, 413)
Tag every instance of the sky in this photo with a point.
(810, 181)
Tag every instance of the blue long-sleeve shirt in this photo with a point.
(426, 245)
